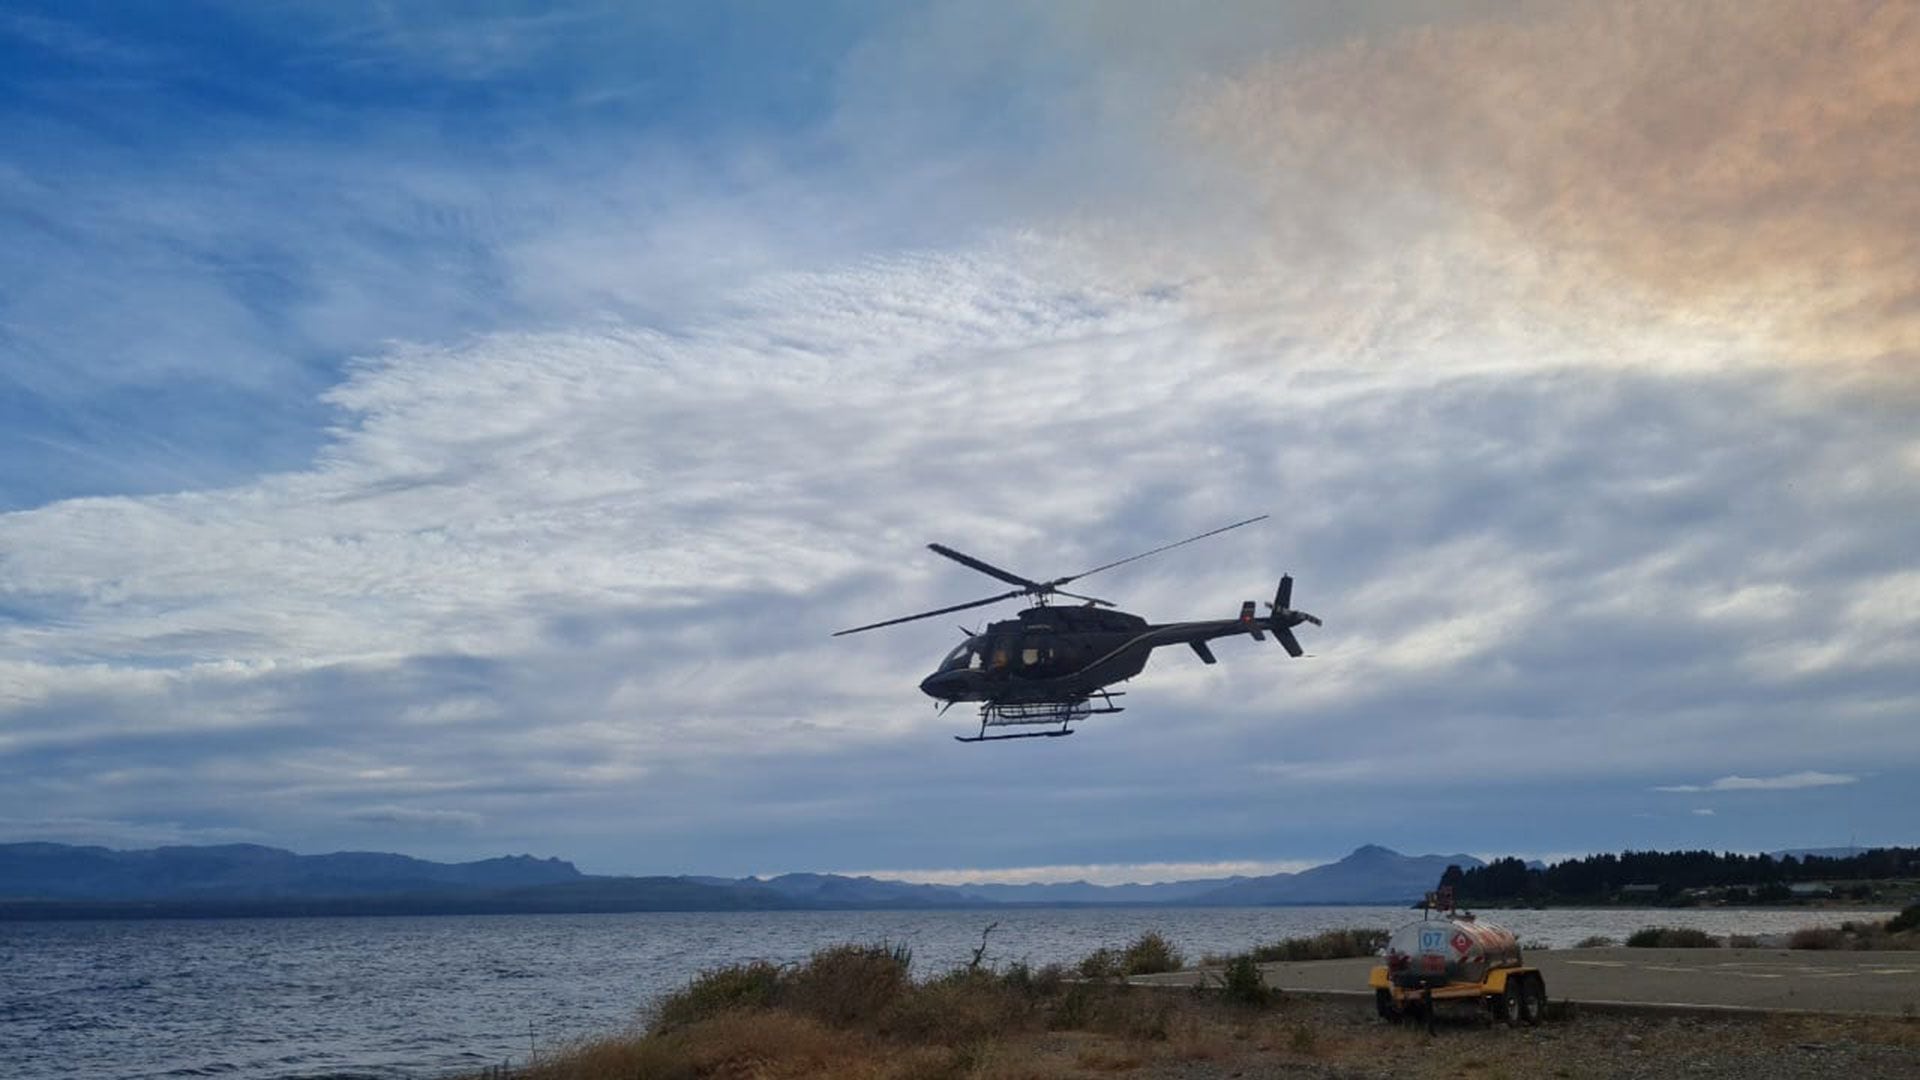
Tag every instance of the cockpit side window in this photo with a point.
(964, 655)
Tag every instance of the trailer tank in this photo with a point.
(1456, 948)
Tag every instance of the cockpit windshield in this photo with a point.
(963, 656)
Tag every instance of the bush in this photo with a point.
(1100, 964)
(754, 985)
(1595, 941)
(962, 1008)
(1075, 1008)
(1151, 954)
(1047, 981)
(849, 984)
(1671, 937)
(1326, 945)
(1243, 984)
(1908, 919)
(1817, 937)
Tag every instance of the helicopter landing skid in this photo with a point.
(1063, 713)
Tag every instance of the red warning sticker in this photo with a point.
(1461, 942)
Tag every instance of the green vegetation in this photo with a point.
(1671, 937)
(1855, 935)
(1243, 984)
(754, 985)
(1908, 919)
(1597, 941)
(1326, 945)
(1149, 954)
(1679, 878)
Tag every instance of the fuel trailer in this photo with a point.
(1454, 957)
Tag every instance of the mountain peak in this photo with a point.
(1372, 851)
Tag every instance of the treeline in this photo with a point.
(1670, 874)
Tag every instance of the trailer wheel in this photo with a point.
(1509, 1004)
(1533, 1000)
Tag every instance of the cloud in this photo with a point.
(418, 817)
(1784, 782)
(1739, 166)
(1097, 874)
(1702, 811)
(588, 448)
(122, 833)
(584, 576)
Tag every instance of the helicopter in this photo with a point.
(1051, 665)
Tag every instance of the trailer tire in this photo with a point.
(1533, 1000)
(1509, 1003)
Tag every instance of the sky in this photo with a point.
(457, 429)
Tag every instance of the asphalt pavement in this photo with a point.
(1883, 983)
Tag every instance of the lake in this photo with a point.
(422, 997)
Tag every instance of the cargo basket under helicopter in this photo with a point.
(1003, 714)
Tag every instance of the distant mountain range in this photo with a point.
(41, 880)
(250, 872)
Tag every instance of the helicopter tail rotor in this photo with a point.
(1283, 618)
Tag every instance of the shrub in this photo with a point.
(1100, 964)
(1817, 937)
(1151, 954)
(959, 1009)
(1326, 945)
(849, 984)
(1243, 984)
(1908, 919)
(1075, 1008)
(1595, 941)
(1047, 981)
(753, 985)
(1671, 937)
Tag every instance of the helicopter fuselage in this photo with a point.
(1053, 654)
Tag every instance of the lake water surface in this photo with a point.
(422, 997)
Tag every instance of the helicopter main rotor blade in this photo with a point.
(931, 614)
(1057, 582)
(988, 569)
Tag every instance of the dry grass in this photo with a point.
(852, 1013)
